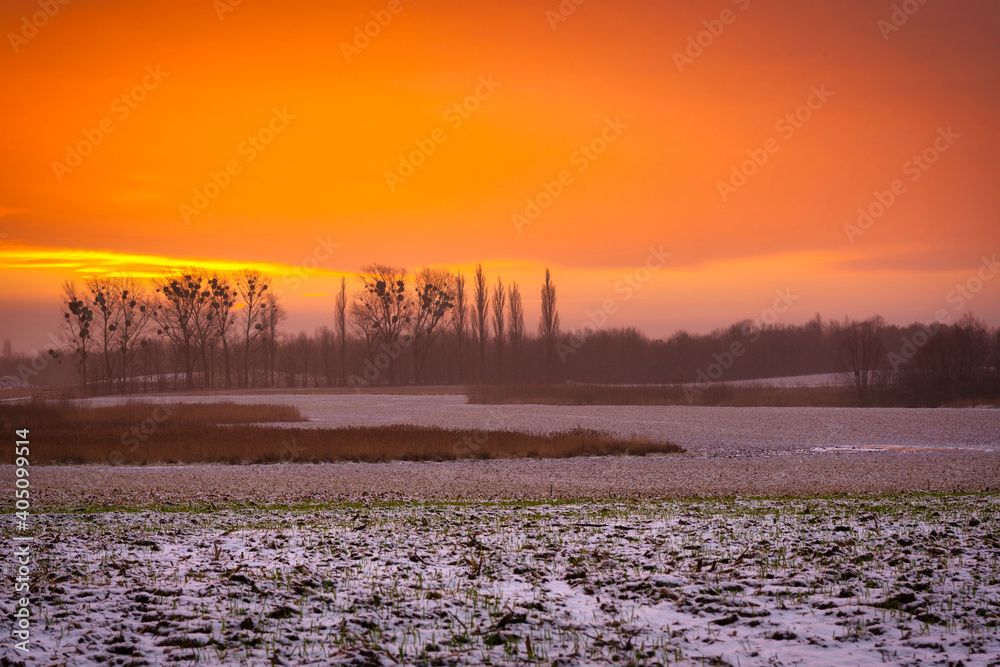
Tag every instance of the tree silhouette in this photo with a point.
(548, 327)
(435, 297)
(341, 315)
(384, 306)
(179, 306)
(107, 318)
(479, 316)
(220, 314)
(865, 352)
(498, 304)
(458, 316)
(78, 318)
(516, 336)
(273, 316)
(251, 286)
(134, 309)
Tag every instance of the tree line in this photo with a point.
(924, 364)
(196, 329)
(183, 329)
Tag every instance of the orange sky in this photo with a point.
(317, 193)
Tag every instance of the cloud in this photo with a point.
(916, 262)
(111, 263)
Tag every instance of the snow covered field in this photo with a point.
(362, 565)
(906, 580)
(816, 380)
(701, 430)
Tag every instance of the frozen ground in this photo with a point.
(677, 476)
(701, 430)
(733, 451)
(906, 580)
(350, 575)
(12, 382)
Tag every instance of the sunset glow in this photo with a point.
(830, 149)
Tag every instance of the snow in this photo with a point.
(702, 430)
(791, 381)
(12, 382)
(904, 580)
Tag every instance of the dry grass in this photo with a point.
(222, 433)
(973, 403)
(720, 394)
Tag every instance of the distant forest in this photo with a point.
(195, 329)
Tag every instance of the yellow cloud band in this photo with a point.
(110, 263)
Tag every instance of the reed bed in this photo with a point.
(228, 433)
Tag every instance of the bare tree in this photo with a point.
(304, 346)
(364, 326)
(274, 315)
(324, 347)
(479, 321)
(78, 318)
(175, 313)
(205, 332)
(107, 315)
(516, 337)
(221, 302)
(133, 305)
(548, 327)
(287, 350)
(435, 297)
(458, 315)
(251, 286)
(341, 310)
(865, 351)
(970, 342)
(383, 300)
(499, 304)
